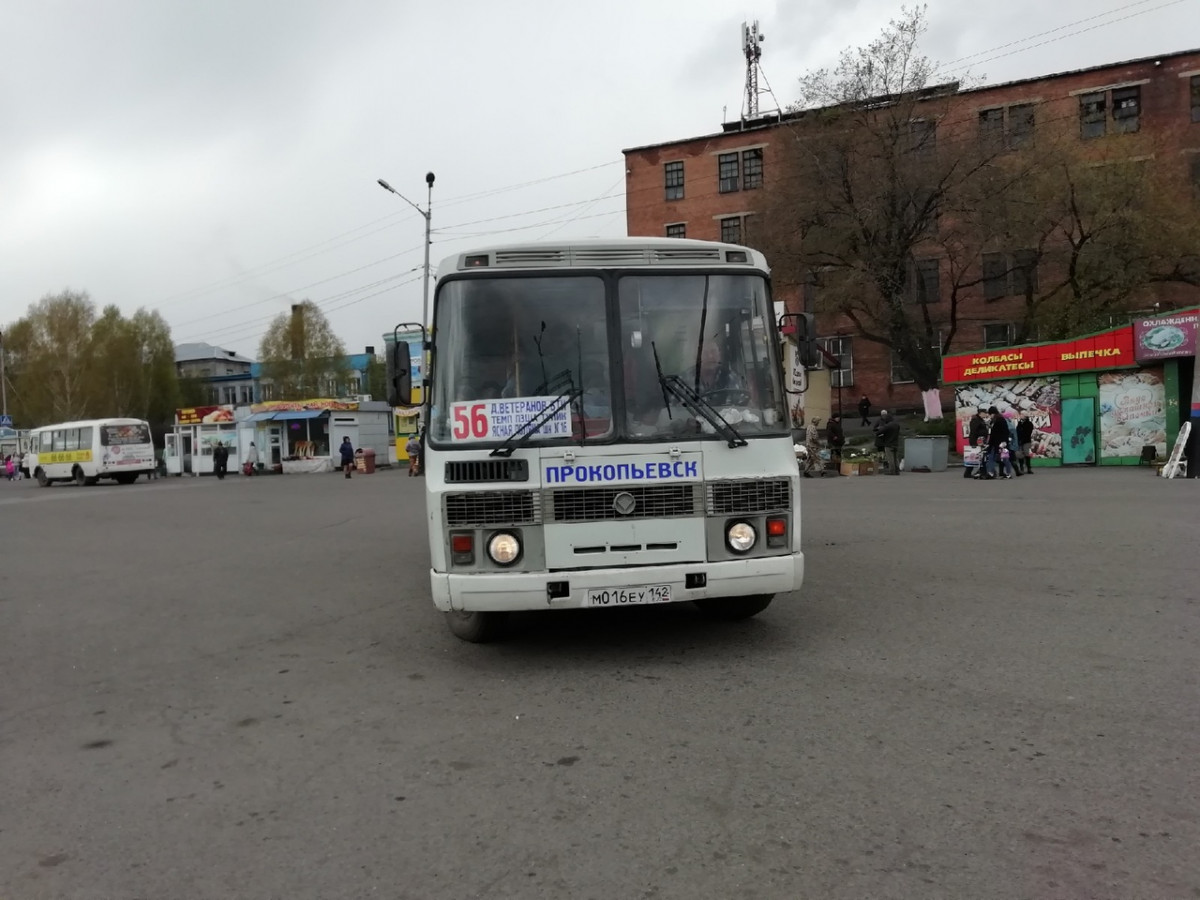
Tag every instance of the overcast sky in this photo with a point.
(216, 159)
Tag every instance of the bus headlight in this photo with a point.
(503, 548)
(740, 537)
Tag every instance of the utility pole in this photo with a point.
(427, 214)
(3, 380)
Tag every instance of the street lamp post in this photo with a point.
(3, 386)
(839, 376)
(427, 213)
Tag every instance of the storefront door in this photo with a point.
(1079, 431)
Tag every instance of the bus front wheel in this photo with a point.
(80, 478)
(732, 609)
(476, 627)
(40, 475)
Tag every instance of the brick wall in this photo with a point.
(1165, 132)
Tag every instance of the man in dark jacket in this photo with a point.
(220, 460)
(864, 410)
(997, 434)
(347, 451)
(836, 438)
(1025, 441)
(887, 434)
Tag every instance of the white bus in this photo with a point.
(607, 426)
(85, 452)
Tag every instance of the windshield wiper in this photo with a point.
(567, 393)
(695, 404)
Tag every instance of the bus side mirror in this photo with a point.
(399, 374)
(802, 328)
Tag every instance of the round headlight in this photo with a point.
(740, 537)
(503, 548)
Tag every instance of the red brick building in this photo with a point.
(711, 187)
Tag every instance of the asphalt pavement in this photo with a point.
(241, 689)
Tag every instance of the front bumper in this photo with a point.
(512, 591)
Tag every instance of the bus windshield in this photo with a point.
(516, 342)
(606, 355)
(711, 333)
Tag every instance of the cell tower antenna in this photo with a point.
(752, 40)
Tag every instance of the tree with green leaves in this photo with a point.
(301, 356)
(64, 363)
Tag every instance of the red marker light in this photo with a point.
(776, 527)
(462, 543)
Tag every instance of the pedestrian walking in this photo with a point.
(812, 448)
(1025, 443)
(413, 448)
(9, 467)
(864, 409)
(251, 466)
(220, 460)
(887, 438)
(1006, 460)
(997, 435)
(835, 436)
(347, 452)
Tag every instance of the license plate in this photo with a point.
(630, 596)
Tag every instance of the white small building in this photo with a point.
(288, 436)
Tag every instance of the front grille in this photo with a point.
(659, 501)
(739, 498)
(485, 508)
(466, 471)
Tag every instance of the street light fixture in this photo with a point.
(427, 213)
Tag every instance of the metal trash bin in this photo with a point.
(930, 454)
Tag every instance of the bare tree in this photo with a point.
(874, 162)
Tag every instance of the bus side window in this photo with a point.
(85, 438)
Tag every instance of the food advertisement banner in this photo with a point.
(1166, 337)
(1111, 349)
(1133, 413)
(203, 415)
(300, 405)
(1038, 398)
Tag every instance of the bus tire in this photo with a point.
(40, 475)
(733, 609)
(80, 478)
(476, 627)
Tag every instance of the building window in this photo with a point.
(1092, 115)
(841, 349)
(901, 374)
(247, 394)
(996, 336)
(727, 172)
(354, 386)
(922, 138)
(1022, 119)
(991, 129)
(731, 230)
(1196, 98)
(923, 282)
(673, 175)
(1127, 104)
(1006, 275)
(1196, 175)
(752, 168)
(678, 230)
(995, 276)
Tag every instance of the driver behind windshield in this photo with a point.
(715, 372)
